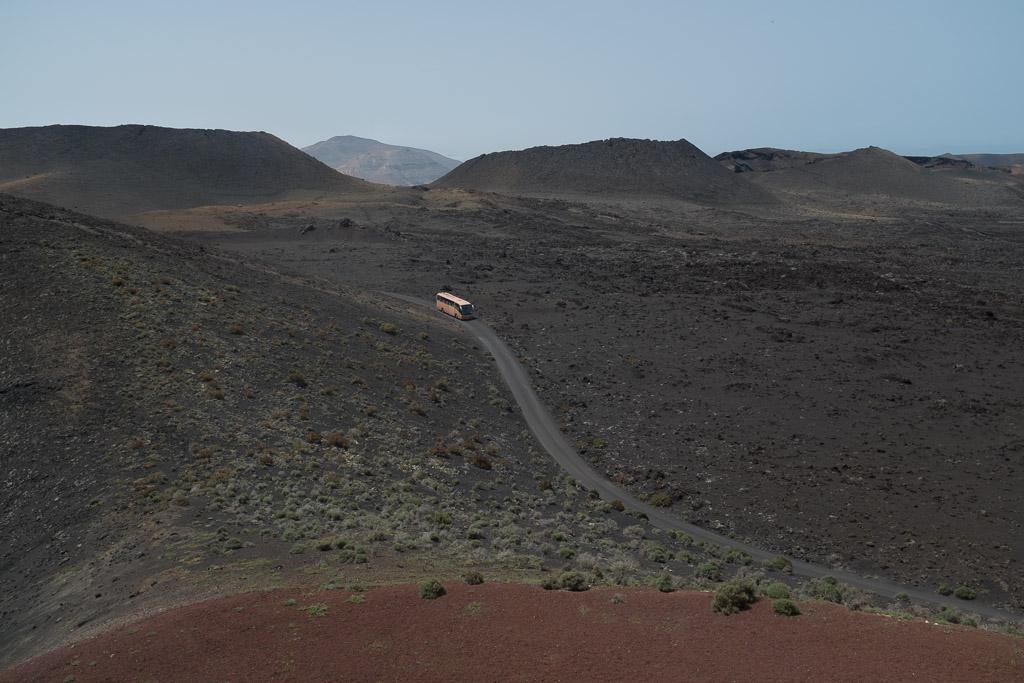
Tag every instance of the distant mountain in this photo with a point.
(765, 159)
(379, 162)
(619, 166)
(1009, 163)
(990, 159)
(872, 172)
(125, 170)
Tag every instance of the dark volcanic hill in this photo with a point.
(379, 162)
(619, 166)
(130, 169)
(991, 159)
(765, 159)
(873, 172)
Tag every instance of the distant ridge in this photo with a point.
(618, 166)
(765, 159)
(124, 170)
(1008, 163)
(379, 162)
(871, 171)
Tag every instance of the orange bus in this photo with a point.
(454, 306)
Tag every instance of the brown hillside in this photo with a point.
(502, 632)
(123, 170)
(619, 166)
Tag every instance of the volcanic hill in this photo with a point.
(124, 170)
(765, 159)
(618, 166)
(379, 162)
(876, 173)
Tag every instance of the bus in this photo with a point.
(454, 306)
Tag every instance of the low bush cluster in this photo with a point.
(734, 596)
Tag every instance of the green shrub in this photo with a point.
(473, 578)
(945, 589)
(660, 499)
(388, 328)
(317, 609)
(776, 590)
(825, 588)
(431, 590)
(965, 593)
(665, 584)
(573, 581)
(709, 570)
(618, 505)
(785, 607)
(734, 596)
(781, 563)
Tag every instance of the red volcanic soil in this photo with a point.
(501, 632)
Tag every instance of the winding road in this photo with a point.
(544, 427)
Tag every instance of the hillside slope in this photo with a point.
(618, 166)
(379, 162)
(119, 171)
(173, 421)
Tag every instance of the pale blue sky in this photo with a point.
(464, 78)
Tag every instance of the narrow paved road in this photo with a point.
(544, 427)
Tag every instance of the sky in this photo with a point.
(464, 78)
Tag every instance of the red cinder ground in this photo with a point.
(502, 632)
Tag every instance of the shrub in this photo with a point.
(733, 596)
(314, 437)
(431, 590)
(785, 607)
(388, 328)
(665, 584)
(776, 590)
(710, 570)
(297, 378)
(945, 589)
(660, 499)
(781, 563)
(618, 505)
(481, 462)
(825, 588)
(902, 597)
(544, 485)
(573, 581)
(237, 329)
(965, 593)
(618, 599)
(337, 440)
(317, 609)
(473, 578)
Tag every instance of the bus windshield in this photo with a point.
(467, 309)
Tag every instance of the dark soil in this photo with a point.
(174, 424)
(844, 390)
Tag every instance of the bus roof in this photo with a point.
(454, 299)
